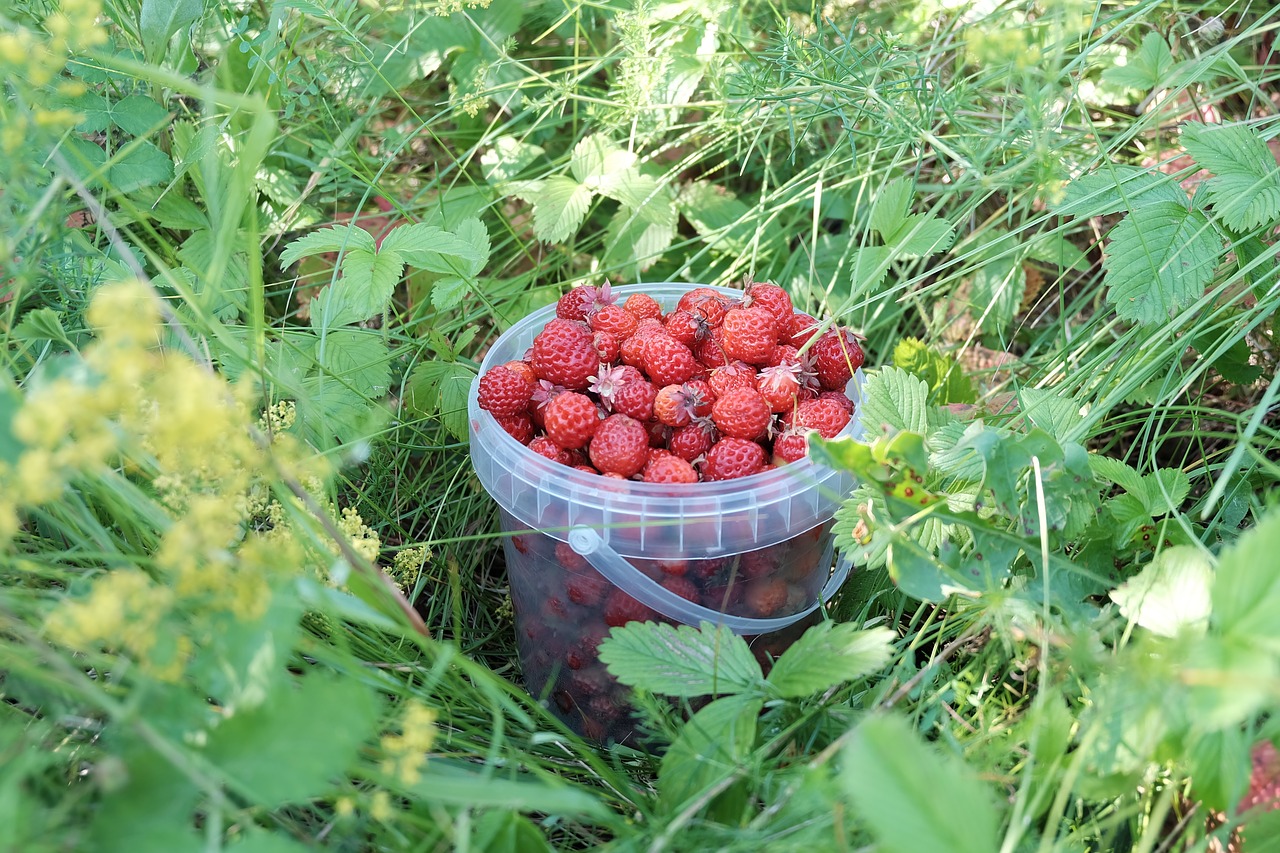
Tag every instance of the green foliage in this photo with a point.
(948, 383)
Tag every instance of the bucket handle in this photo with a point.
(588, 543)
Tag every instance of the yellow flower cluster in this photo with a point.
(364, 539)
(407, 566)
(406, 752)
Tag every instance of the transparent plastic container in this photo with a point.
(588, 552)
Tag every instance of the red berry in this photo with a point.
(840, 398)
(620, 446)
(676, 405)
(684, 327)
(750, 334)
(779, 386)
(635, 399)
(732, 377)
(790, 447)
(706, 303)
(564, 353)
(587, 588)
(772, 298)
(710, 350)
(622, 608)
(643, 306)
(658, 433)
(690, 442)
(582, 300)
(607, 346)
(544, 446)
(691, 298)
(669, 469)
(766, 596)
(571, 419)
(615, 320)
(705, 394)
(742, 413)
(570, 559)
(825, 416)
(667, 361)
(730, 458)
(682, 587)
(519, 427)
(503, 392)
(524, 369)
(836, 356)
(799, 329)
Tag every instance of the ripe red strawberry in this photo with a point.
(571, 419)
(669, 469)
(799, 329)
(503, 392)
(565, 354)
(691, 298)
(667, 361)
(608, 380)
(825, 416)
(586, 469)
(784, 354)
(710, 350)
(622, 608)
(544, 446)
(750, 334)
(519, 427)
(779, 386)
(582, 300)
(766, 596)
(732, 377)
(614, 320)
(631, 350)
(684, 327)
(840, 398)
(635, 399)
(682, 587)
(742, 413)
(677, 405)
(524, 369)
(836, 356)
(730, 458)
(643, 306)
(772, 298)
(710, 307)
(587, 588)
(658, 433)
(690, 442)
(790, 446)
(705, 394)
(620, 446)
(607, 346)
(570, 559)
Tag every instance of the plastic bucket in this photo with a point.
(587, 552)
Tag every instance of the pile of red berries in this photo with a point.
(717, 388)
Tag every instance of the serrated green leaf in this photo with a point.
(334, 306)
(441, 388)
(634, 241)
(473, 232)
(1114, 471)
(717, 216)
(335, 238)
(1159, 260)
(559, 206)
(921, 235)
(143, 165)
(913, 797)
(868, 266)
(598, 163)
(151, 813)
(1245, 187)
(1164, 490)
(712, 745)
(507, 158)
(422, 246)
(1220, 763)
(42, 324)
(160, 20)
(894, 400)
(360, 358)
(1116, 189)
(1147, 67)
(997, 288)
(1055, 414)
(447, 293)
(328, 410)
(1235, 362)
(1054, 248)
(283, 751)
(1246, 587)
(828, 654)
(138, 115)
(889, 212)
(681, 660)
(371, 278)
(1170, 594)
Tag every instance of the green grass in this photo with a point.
(764, 138)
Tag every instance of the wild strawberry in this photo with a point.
(682, 587)
(784, 354)
(779, 386)
(587, 588)
(622, 608)
(565, 354)
(643, 306)
(524, 369)
(750, 334)
(503, 392)
(676, 405)
(586, 469)
(691, 298)
(571, 419)
(620, 446)
(772, 298)
(840, 398)
(710, 350)
(667, 361)
(684, 327)
(582, 300)
(674, 567)
(614, 320)
(658, 433)
(800, 328)
(669, 469)
(631, 350)
(706, 396)
(635, 399)
(730, 458)
(608, 380)
(766, 596)
(544, 446)
(519, 427)
(607, 346)
(836, 356)
(790, 446)
(742, 413)
(758, 563)
(825, 416)
(570, 559)
(732, 377)
(711, 307)
(690, 442)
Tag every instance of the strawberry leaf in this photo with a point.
(1159, 260)
(336, 238)
(1245, 187)
(559, 206)
(1146, 68)
(828, 654)
(681, 660)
